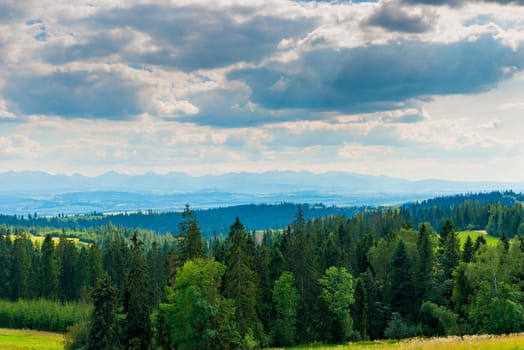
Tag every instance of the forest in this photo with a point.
(392, 272)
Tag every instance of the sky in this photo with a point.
(406, 88)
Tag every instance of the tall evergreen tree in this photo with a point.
(240, 279)
(189, 229)
(66, 251)
(137, 302)
(21, 268)
(401, 288)
(360, 308)
(5, 266)
(424, 265)
(49, 269)
(103, 332)
(468, 250)
(304, 266)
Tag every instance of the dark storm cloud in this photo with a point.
(73, 95)
(188, 38)
(391, 17)
(379, 77)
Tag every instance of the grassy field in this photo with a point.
(17, 339)
(488, 342)
(40, 239)
(463, 235)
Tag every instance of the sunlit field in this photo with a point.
(17, 339)
(505, 342)
(463, 235)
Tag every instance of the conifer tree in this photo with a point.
(137, 302)
(49, 269)
(401, 287)
(66, 252)
(103, 332)
(189, 229)
(424, 266)
(360, 308)
(240, 279)
(467, 250)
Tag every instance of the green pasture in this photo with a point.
(19, 339)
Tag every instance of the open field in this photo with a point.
(40, 239)
(17, 339)
(463, 235)
(488, 342)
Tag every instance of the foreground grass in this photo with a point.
(17, 339)
(477, 342)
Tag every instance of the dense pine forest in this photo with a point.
(381, 273)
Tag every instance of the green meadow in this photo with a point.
(18, 339)
(477, 342)
(463, 235)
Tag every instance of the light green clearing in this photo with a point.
(488, 342)
(463, 235)
(18, 339)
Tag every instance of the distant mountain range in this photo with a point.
(28, 191)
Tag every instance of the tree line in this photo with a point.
(377, 274)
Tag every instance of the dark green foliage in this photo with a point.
(158, 273)
(5, 265)
(189, 229)
(424, 265)
(504, 241)
(437, 320)
(360, 308)
(480, 241)
(21, 268)
(138, 301)
(49, 270)
(401, 289)
(103, 333)
(468, 250)
(399, 328)
(240, 278)
(40, 314)
(69, 287)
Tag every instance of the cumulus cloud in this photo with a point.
(78, 94)
(380, 77)
(391, 16)
(188, 38)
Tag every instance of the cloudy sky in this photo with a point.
(406, 88)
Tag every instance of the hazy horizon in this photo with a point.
(410, 89)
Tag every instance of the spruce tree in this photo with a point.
(240, 279)
(103, 332)
(424, 265)
(467, 250)
(189, 229)
(49, 269)
(360, 308)
(401, 288)
(137, 300)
